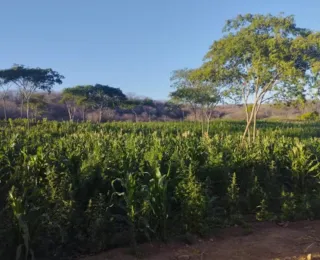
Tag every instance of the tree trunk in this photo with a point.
(28, 113)
(208, 117)
(21, 108)
(255, 121)
(4, 109)
(247, 131)
(249, 121)
(100, 115)
(135, 116)
(194, 110)
(253, 117)
(70, 112)
(28, 110)
(254, 125)
(83, 114)
(35, 114)
(202, 121)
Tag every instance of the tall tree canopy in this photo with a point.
(194, 89)
(96, 96)
(29, 80)
(77, 97)
(133, 103)
(261, 56)
(38, 105)
(104, 96)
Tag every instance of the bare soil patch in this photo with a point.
(266, 241)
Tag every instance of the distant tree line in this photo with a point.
(28, 89)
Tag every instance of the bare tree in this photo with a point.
(4, 94)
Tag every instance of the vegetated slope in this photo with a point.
(69, 189)
(53, 109)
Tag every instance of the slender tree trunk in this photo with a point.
(252, 118)
(247, 131)
(27, 101)
(135, 116)
(255, 120)
(202, 121)
(194, 109)
(83, 114)
(70, 112)
(100, 114)
(35, 114)
(208, 117)
(249, 121)
(27, 110)
(21, 108)
(254, 125)
(4, 109)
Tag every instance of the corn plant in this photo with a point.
(133, 200)
(159, 200)
(70, 188)
(19, 212)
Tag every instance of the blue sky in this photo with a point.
(130, 44)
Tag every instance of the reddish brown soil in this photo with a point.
(267, 241)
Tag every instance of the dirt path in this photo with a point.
(267, 241)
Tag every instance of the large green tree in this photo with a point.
(37, 105)
(29, 80)
(134, 103)
(104, 96)
(192, 88)
(260, 56)
(77, 98)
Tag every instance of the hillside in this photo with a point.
(52, 108)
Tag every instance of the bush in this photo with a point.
(309, 116)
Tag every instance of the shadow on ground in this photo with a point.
(300, 240)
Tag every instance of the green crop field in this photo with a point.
(68, 188)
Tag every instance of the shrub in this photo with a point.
(309, 116)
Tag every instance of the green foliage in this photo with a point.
(194, 90)
(95, 96)
(35, 78)
(309, 116)
(233, 199)
(263, 214)
(29, 80)
(68, 188)
(79, 94)
(105, 96)
(191, 195)
(37, 105)
(263, 57)
(133, 200)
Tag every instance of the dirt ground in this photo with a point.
(300, 240)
